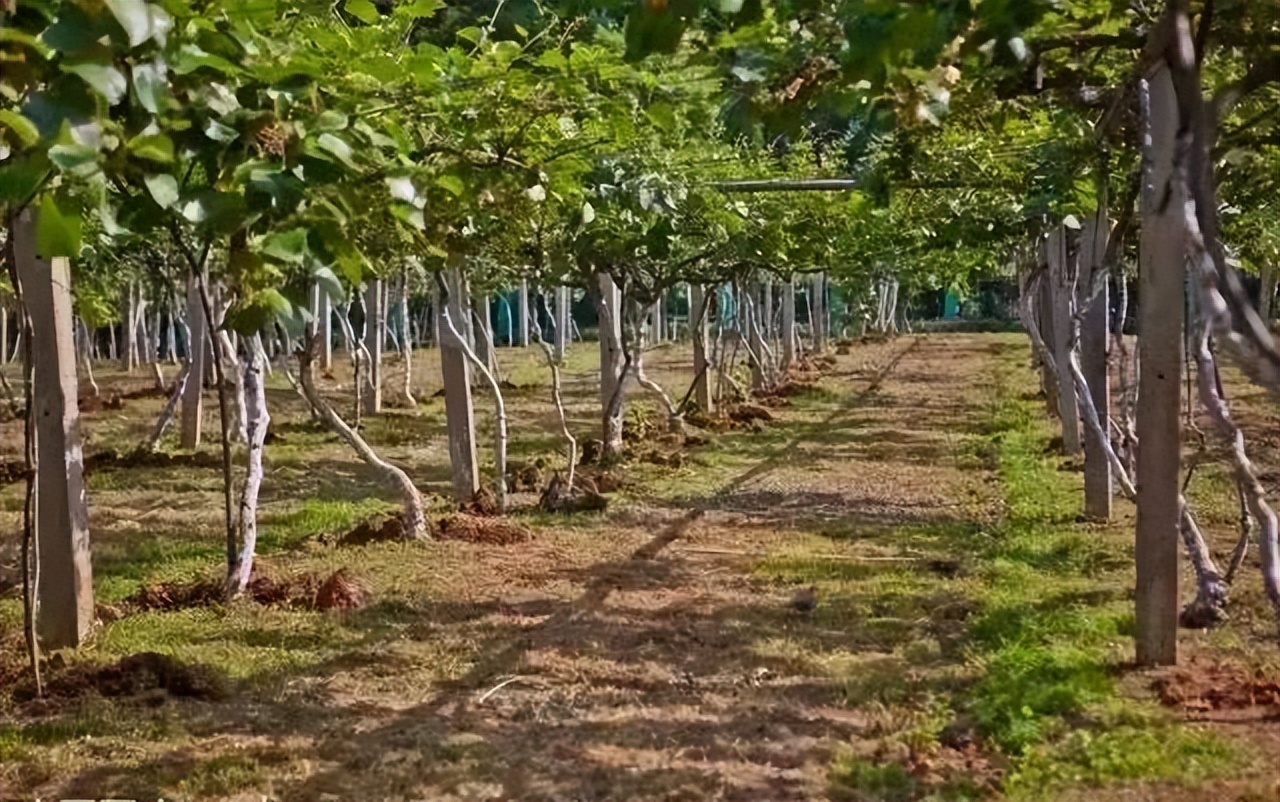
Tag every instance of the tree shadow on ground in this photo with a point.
(646, 685)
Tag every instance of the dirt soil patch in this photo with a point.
(265, 588)
(486, 530)
(139, 458)
(343, 590)
(376, 530)
(1202, 687)
(136, 675)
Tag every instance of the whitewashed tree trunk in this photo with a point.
(891, 324)
(414, 515)
(557, 398)
(170, 408)
(1211, 595)
(524, 313)
(64, 580)
(4, 333)
(675, 422)
(193, 396)
(699, 328)
(239, 425)
(1216, 318)
(459, 410)
(482, 340)
(258, 420)
(128, 352)
(171, 336)
(1160, 310)
(94, 390)
(406, 342)
(326, 332)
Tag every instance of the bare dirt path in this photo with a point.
(649, 654)
(663, 678)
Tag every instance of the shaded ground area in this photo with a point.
(968, 639)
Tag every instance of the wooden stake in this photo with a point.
(1160, 312)
(64, 581)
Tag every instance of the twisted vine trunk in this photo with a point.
(257, 420)
(414, 515)
(556, 396)
(1211, 596)
(170, 409)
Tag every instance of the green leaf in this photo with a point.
(151, 85)
(104, 78)
(421, 8)
(219, 132)
(73, 30)
(337, 147)
(152, 147)
(363, 10)
(451, 184)
(9, 34)
(329, 284)
(163, 188)
(552, 59)
(21, 177)
(24, 131)
(190, 58)
(330, 121)
(134, 17)
(57, 234)
(251, 314)
(286, 246)
(74, 158)
(215, 211)
(662, 115)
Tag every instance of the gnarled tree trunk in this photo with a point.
(256, 421)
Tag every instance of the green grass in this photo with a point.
(1041, 651)
(861, 780)
(282, 530)
(1157, 752)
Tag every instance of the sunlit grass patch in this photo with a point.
(1156, 752)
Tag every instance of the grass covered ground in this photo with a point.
(971, 638)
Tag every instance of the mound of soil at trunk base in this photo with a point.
(526, 477)
(489, 531)
(482, 503)
(1216, 687)
(376, 530)
(582, 498)
(139, 458)
(343, 590)
(141, 673)
(746, 413)
(264, 588)
(94, 403)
